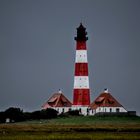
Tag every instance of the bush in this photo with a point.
(44, 114)
(2, 117)
(70, 113)
(74, 112)
(14, 114)
(17, 115)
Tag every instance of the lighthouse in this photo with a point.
(104, 103)
(81, 91)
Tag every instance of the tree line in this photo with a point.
(14, 114)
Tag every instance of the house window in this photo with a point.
(110, 109)
(87, 111)
(63, 110)
(69, 109)
(117, 110)
(105, 109)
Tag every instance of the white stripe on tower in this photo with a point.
(81, 56)
(81, 82)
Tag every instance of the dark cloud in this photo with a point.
(37, 49)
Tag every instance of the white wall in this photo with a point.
(84, 110)
(110, 109)
(87, 111)
(62, 109)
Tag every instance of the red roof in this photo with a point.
(105, 100)
(57, 100)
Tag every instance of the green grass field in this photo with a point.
(74, 128)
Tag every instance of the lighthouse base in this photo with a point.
(83, 110)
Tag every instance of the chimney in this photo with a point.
(106, 90)
(59, 91)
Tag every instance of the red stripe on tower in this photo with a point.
(81, 69)
(81, 45)
(81, 92)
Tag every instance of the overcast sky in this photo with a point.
(37, 50)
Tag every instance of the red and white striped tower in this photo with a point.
(81, 92)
